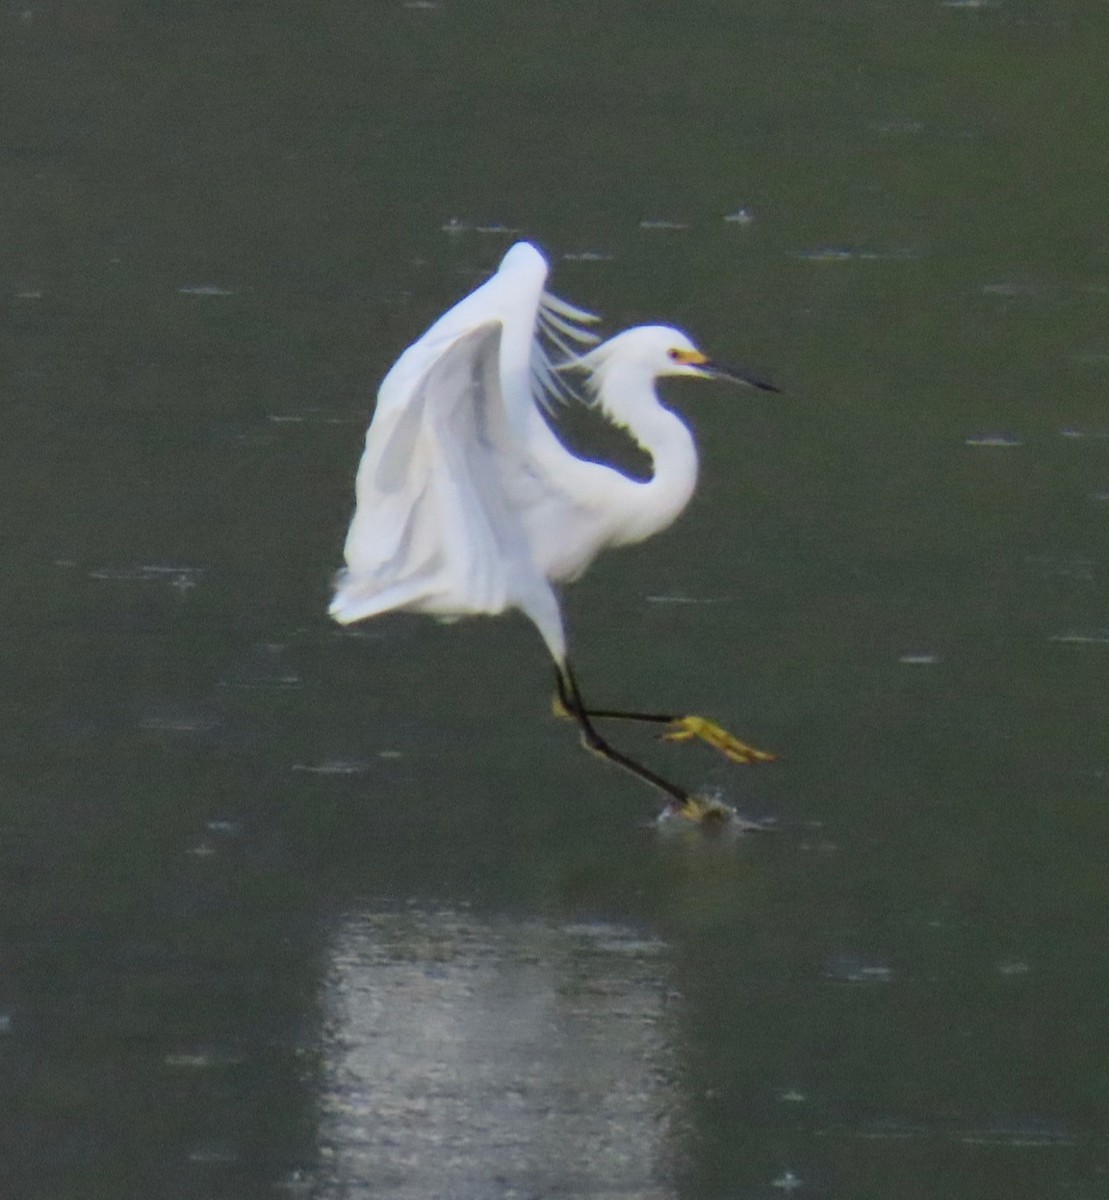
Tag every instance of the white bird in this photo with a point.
(467, 502)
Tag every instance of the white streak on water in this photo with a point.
(337, 766)
(181, 579)
(204, 289)
(1078, 637)
(997, 440)
(1076, 434)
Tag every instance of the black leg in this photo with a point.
(613, 714)
(681, 728)
(571, 700)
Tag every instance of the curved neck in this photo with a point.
(628, 398)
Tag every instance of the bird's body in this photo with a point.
(467, 502)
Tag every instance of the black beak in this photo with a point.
(717, 370)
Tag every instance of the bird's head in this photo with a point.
(658, 350)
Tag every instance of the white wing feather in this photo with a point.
(429, 529)
(466, 501)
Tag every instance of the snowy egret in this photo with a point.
(467, 502)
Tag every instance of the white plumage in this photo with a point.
(466, 500)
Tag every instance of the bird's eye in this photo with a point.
(674, 354)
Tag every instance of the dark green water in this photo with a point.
(292, 911)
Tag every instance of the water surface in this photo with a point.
(295, 910)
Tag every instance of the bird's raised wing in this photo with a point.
(430, 515)
(442, 490)
(458, 453)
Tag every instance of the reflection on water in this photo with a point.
(467, 1056)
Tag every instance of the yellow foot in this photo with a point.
(702, 809)
(684, 729)
(559, 709)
